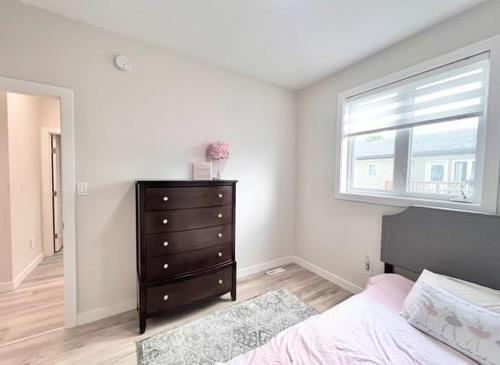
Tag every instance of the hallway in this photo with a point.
(37, 305)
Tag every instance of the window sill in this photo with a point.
(399, 201)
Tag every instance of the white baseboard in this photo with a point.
(104, 312)
(263, 266)
(14, 284)
(27, 270)
(6, 286)
(347, 285)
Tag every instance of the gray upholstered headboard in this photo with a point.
(459, 244)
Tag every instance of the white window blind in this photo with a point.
(451, 92)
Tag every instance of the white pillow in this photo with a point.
(468, 328)
(470, 292)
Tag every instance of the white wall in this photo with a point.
(50, 113)
(150, 123)
(25, 179)
(5, 247)
(333, 234)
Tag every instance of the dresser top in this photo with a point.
(185, 182)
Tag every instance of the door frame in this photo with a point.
(66, 97)
(46, 134)
(55, 193)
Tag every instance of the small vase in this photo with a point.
(217, 175)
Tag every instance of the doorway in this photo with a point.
(61, 205)
(56, 179)
(34, 278)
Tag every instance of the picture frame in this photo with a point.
(202, 171)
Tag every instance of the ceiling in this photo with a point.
(291, 43)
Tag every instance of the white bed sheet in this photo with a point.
(365, 329)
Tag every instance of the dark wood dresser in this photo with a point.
(185, 244)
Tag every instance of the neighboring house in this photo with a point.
(438, 166)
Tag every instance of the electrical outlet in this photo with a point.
(368, 266)
(32, 243)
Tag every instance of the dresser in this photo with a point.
(185, 244)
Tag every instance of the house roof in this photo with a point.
(458, 142)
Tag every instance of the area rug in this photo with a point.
(220, 336)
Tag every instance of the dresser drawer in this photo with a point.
(183, 219)
(178, 294)
(163, 267)
(189, 197)
(172, 242)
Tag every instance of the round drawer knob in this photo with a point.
(165, 266)
(219, 235)
(165, 244)
(165, 297)
(221, 195)
(219, 254)
(165, 221)
(221, 282)
(219, 215)
(165, 198)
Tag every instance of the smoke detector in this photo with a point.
(123, 63)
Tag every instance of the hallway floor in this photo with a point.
(36, 306)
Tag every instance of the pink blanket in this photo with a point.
(365, 329)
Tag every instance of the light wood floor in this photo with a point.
(37, 305)
(112, 340)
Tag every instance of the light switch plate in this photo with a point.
(82, 188)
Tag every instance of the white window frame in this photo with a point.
(487, 153)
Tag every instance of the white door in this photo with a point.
(57, 192)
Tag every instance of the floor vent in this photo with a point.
(275, 271)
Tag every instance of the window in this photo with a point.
(366, 151)
(421, 136)
(447, 142)
(435, 171)
(463, 170)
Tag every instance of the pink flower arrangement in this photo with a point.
(218, 151)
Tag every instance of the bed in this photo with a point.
(367, 328)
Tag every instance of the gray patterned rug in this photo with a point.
(225, 334)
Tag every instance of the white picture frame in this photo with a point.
(202, 171)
